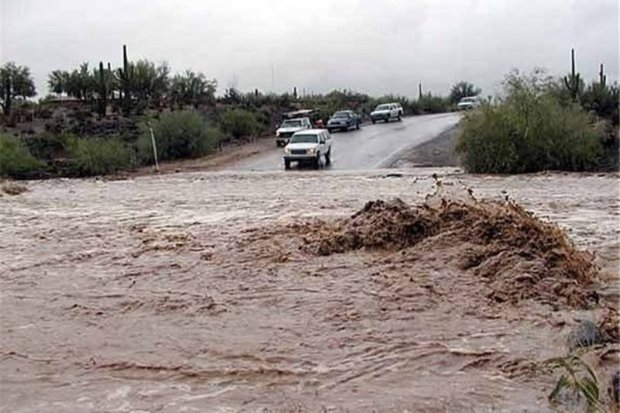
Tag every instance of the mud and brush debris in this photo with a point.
(12, 188)
(518, 255)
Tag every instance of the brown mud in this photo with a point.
(267, 292)
(519, 256)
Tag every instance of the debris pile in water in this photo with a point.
(519, 255)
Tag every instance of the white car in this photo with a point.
(309, 146)
(289, 127)
(470, 102)
(386, 111)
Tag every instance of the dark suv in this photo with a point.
(344, 120)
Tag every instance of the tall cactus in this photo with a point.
(125, 75)
(601, 77)
(8, 97)
(573, 81)
(102, 90)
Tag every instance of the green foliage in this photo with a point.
(15, 159)
(461, 90)
(98, 156)
(434, 104)
(179, 134)
(150, 83)
(579, 379)
(239, 123)
(192, 88)
(57, 81)
(47, 147)
(603, 100)
(529, 131)
(15, 81)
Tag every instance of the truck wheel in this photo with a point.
(398, 118)
(317, 162)
(373, 121)
(328, 157)
(287, 164)
(357, 126)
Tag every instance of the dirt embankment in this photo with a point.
(438, 152)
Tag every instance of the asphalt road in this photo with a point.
(371, 147)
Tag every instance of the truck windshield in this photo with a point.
(383, 107)
(291, 124)
(304, 139)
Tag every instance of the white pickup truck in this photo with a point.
(386, 112)
(309, 146)
(289, 127)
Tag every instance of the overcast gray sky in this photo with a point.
(373, 46)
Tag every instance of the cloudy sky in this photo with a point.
(373, 46)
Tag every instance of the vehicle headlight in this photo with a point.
(287, 150)
(311, 151)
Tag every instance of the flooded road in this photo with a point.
(194, 292)
(371, 147)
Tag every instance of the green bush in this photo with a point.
(179, 134)
(98, 156)
(530, 130)
(434, 104)
(15, 159)
(239, 123)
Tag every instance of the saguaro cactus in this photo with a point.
(601, 77)
(125, 75)
(7, 94)
(573, 81)
(102, 90)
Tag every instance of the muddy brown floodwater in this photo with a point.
(215, 292)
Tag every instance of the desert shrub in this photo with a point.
(48, 146)
(15, 159)
(602, 100)
(179, 134)
(530, 130)
(239, 123)
(98, 156)
(433, 104)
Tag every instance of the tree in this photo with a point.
(461, 90)
(150, 82)
(192, 89)
(15, 81)
(57, 81)
(80, 83)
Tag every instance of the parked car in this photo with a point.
(344, 120)
(289, 127)
(309, 146)
(470, 102)
(386, 111)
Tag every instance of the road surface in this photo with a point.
(371, 147)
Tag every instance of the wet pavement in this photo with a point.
(371, 147)
(175, 293)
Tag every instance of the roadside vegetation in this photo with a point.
(544, 123)
(97, 118)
